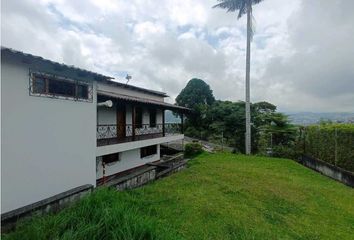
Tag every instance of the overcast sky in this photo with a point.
(302, 52)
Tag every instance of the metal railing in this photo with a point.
(112, 133)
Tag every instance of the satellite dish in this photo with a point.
(128, 77)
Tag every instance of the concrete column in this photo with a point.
(163, 122)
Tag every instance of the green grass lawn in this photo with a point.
(219, 196)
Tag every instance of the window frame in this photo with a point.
(112, 155)
(148, 151)
(50, 77)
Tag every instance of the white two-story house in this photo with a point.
(63, 127)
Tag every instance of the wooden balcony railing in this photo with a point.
(112, 134)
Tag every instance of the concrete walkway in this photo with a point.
(207, 146)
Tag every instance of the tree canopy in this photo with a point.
(212, 118)
(196, 92)
(236, 5)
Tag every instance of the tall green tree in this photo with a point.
(196, 92)
(198, 96)
(244, 7)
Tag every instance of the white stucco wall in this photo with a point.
(146, 116)
(128, 159)
(128, 114)
(48, 145)
(159, 116)
(106, 115)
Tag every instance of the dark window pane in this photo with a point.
(38, 85)
(61, 88)
(114, 157)
(152, 117)
(148, 151)
(82, 91)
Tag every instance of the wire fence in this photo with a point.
(332, 143)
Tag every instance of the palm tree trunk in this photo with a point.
(248, 68)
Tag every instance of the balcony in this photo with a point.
(108, 134)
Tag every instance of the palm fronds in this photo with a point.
(241, 6)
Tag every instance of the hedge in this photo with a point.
(192, 149)
(333, 143)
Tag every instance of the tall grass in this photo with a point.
(105, 214)
(219, 196)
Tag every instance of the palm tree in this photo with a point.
(244, 7)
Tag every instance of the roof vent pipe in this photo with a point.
(107, 103)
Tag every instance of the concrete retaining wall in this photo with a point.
(328, 170)
(52, 204)
(149, 173)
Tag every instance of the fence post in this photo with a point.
(318, 145)
(304, 140)
(335, 147)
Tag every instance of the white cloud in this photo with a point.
(145, 30)
(297, 50)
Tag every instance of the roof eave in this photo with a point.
(127, 98)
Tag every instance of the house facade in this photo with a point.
(64, 127)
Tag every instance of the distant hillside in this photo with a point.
(308, 118)
(170, 118)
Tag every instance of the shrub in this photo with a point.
(192, 149)
(192, 132)
(286, 152)
(332, 143)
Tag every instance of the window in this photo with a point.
(138, 117)
(148, 151)
(39, 85)
(52, 86)
(110, 158)
(82, 91)
(56, 87)
(152, 117)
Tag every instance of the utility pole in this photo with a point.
(248, 68)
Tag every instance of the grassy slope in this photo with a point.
(220, 196)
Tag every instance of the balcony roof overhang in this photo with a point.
(145, 101)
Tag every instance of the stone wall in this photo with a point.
(137, 179)
(149, 173)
